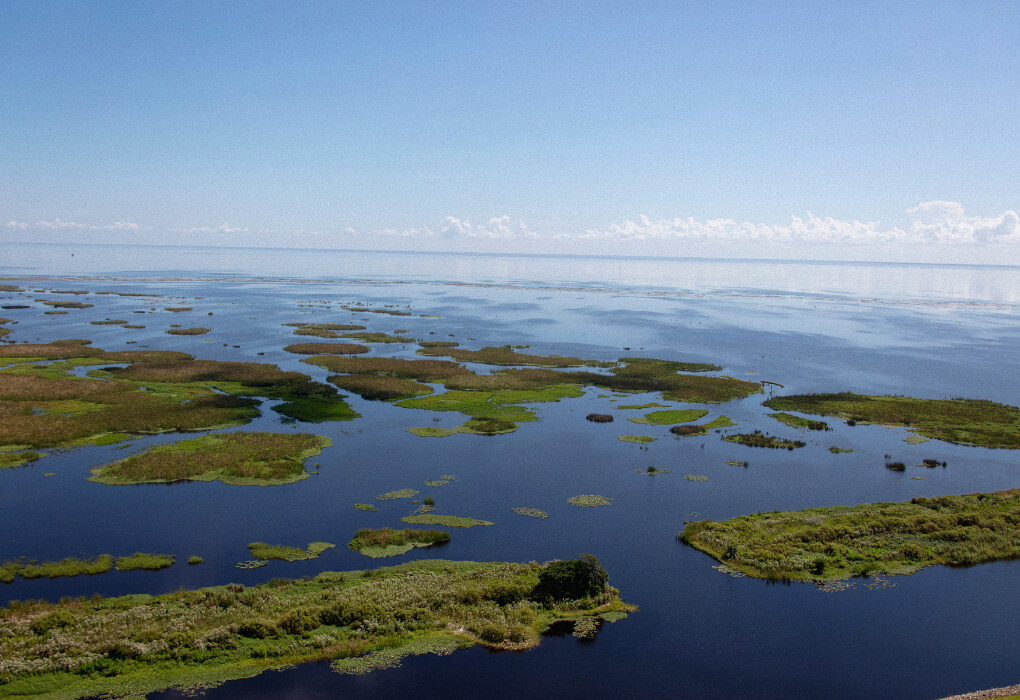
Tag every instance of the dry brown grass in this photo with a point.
(326, 348)
(379, 387)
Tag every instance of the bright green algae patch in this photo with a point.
(963, 421)
(639, 439)
(233, 458)
(138, 644)
(683, 415)
(845, 541)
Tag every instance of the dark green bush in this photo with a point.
(255, 629)
(44, 623)
(572, 579)
(300, 620)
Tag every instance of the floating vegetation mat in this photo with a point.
(695, 477)
(799, 422)
(263, 551)
(188, 331)
(444, 520)
(760, 439)
(589, 501)
(364, 506)
(387, 542)
(639, 439)
(684, 415)
(964, 421)
(653, 471)
(399, 493)
(845, 541)
(839, 450)
(530, 512)
(233, 458)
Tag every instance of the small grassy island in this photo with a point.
(843, 541)
(963, 421)
(387, 542)
(361, 620)
(234, 458)
(760, 439)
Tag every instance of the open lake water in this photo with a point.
(917, 330)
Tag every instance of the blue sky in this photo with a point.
(856, 130)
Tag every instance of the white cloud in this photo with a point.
(935, 222)
(222, 228)
(496, 227)
(60, 224)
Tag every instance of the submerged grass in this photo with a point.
(963, 421)
(134, 645)
(233, 458)
(845, 541)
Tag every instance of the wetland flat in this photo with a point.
(507, 368)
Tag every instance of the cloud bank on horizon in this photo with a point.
(934, 223)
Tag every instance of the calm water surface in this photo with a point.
(932, 331)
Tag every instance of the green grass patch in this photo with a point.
(380, 387)
(17, 459)
(67, 304)
(839, 450)
(760, 439)
(962, 421)
(444, 520)
(134, 645)
(844, 541)
(639, 439)
(178, 309)
(69, 566)
(326, 348)
(653, 404)
(366, 337)
(507, 355)
(194, 560)
(233, 458)
(800, 422)
(141, 560)
(197, 330)
(670, 417)
(263, 551)
(109, 322)
(364, 506)
(696, 477)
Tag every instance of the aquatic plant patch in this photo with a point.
(530, 512)
(326, 348)
(844, 541)
(263, 551)
(399, 493)
(147, 562)
(963, 421)
(198, 330)
(444, 520)
(800, 422)
(760, 439)
(589, 501)
(233, 458)
(639, 439)
(670, 417)
(652, 471)
(140, 644)
(387, 542)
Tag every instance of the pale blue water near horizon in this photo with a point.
(921, 330)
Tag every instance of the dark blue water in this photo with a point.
(699, 633)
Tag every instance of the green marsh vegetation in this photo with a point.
(325, 330)
(839, 450)
(506, 355)
(109, 322)
(263, 551)
(147, 562)
(11, 458)
(696, 477)
(760, 439)
(589, 501)
(360, 620)
(653, 404)
(872, 538)
(800, 422)
(530, 512)
(399, 493)
(431, 344)
(670, 417)
(194, 560)
(371, 337)
(639, 439)
(443, 520)
(443, 480)
(963, 421)
(233, 458)
(177, 309)
(326, 348)
(364, 506)
(652, 471)
(188, 331)
(44, 406)
(702, 428)
(380, 387)
(67, 305)
(387, 542)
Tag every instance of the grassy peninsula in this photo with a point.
(361, 620)
(233, 458)
(844, 541)
(963, 421)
